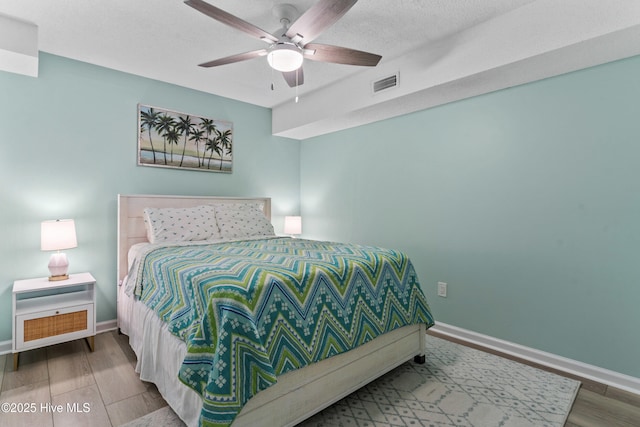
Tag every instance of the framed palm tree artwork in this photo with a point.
(177, 140)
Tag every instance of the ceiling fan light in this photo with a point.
(285, 57)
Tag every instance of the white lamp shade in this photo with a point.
(292, 225)
(58, 234)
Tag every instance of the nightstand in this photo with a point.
(50, 312)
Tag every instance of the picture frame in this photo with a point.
(170, 139)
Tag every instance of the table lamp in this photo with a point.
(292, 225)
(57, 235)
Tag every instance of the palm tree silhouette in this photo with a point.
(172, 136)
(223, 142)
(149, 120)
(213, 146)
(164, 124)
(208, 126)
(184, 127)
(197, 136)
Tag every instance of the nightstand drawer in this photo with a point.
(46, 327)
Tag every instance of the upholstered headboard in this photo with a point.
(131, 228)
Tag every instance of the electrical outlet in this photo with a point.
(442, 289)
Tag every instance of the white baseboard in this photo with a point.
(584, 370)
(106, 326)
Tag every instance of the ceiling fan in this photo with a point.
(289, 46)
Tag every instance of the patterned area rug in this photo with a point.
(457, 386)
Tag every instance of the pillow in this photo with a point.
(181, 224)
(238, 220)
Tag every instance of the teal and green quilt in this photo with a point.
(252, 310)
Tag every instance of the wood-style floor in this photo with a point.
(70, 375)
(101, 389)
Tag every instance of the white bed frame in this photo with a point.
(298, 394)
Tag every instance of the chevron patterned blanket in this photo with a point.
(252, 310)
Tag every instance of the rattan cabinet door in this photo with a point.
(53, 326)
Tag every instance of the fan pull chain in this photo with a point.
(271, 78)
(297, 86)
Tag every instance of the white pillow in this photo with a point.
(181, 224)
(238, 220)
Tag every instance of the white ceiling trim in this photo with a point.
(521, 46)
(18, 46)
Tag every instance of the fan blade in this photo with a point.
(234, 58)
(318, 18)
(290, 77)
(340, 55)
(230, 20)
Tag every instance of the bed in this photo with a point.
(296, 385)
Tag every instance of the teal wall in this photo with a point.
(525, 201)
(68, 147)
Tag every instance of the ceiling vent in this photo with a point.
(386, 83)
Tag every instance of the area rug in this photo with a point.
(457, 386)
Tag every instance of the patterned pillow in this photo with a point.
(238, 220)
(181, 224)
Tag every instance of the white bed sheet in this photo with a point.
(159, 354)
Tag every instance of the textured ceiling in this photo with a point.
(165, 40)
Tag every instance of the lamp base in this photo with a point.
(58, 267)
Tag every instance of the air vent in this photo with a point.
(385, 83)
